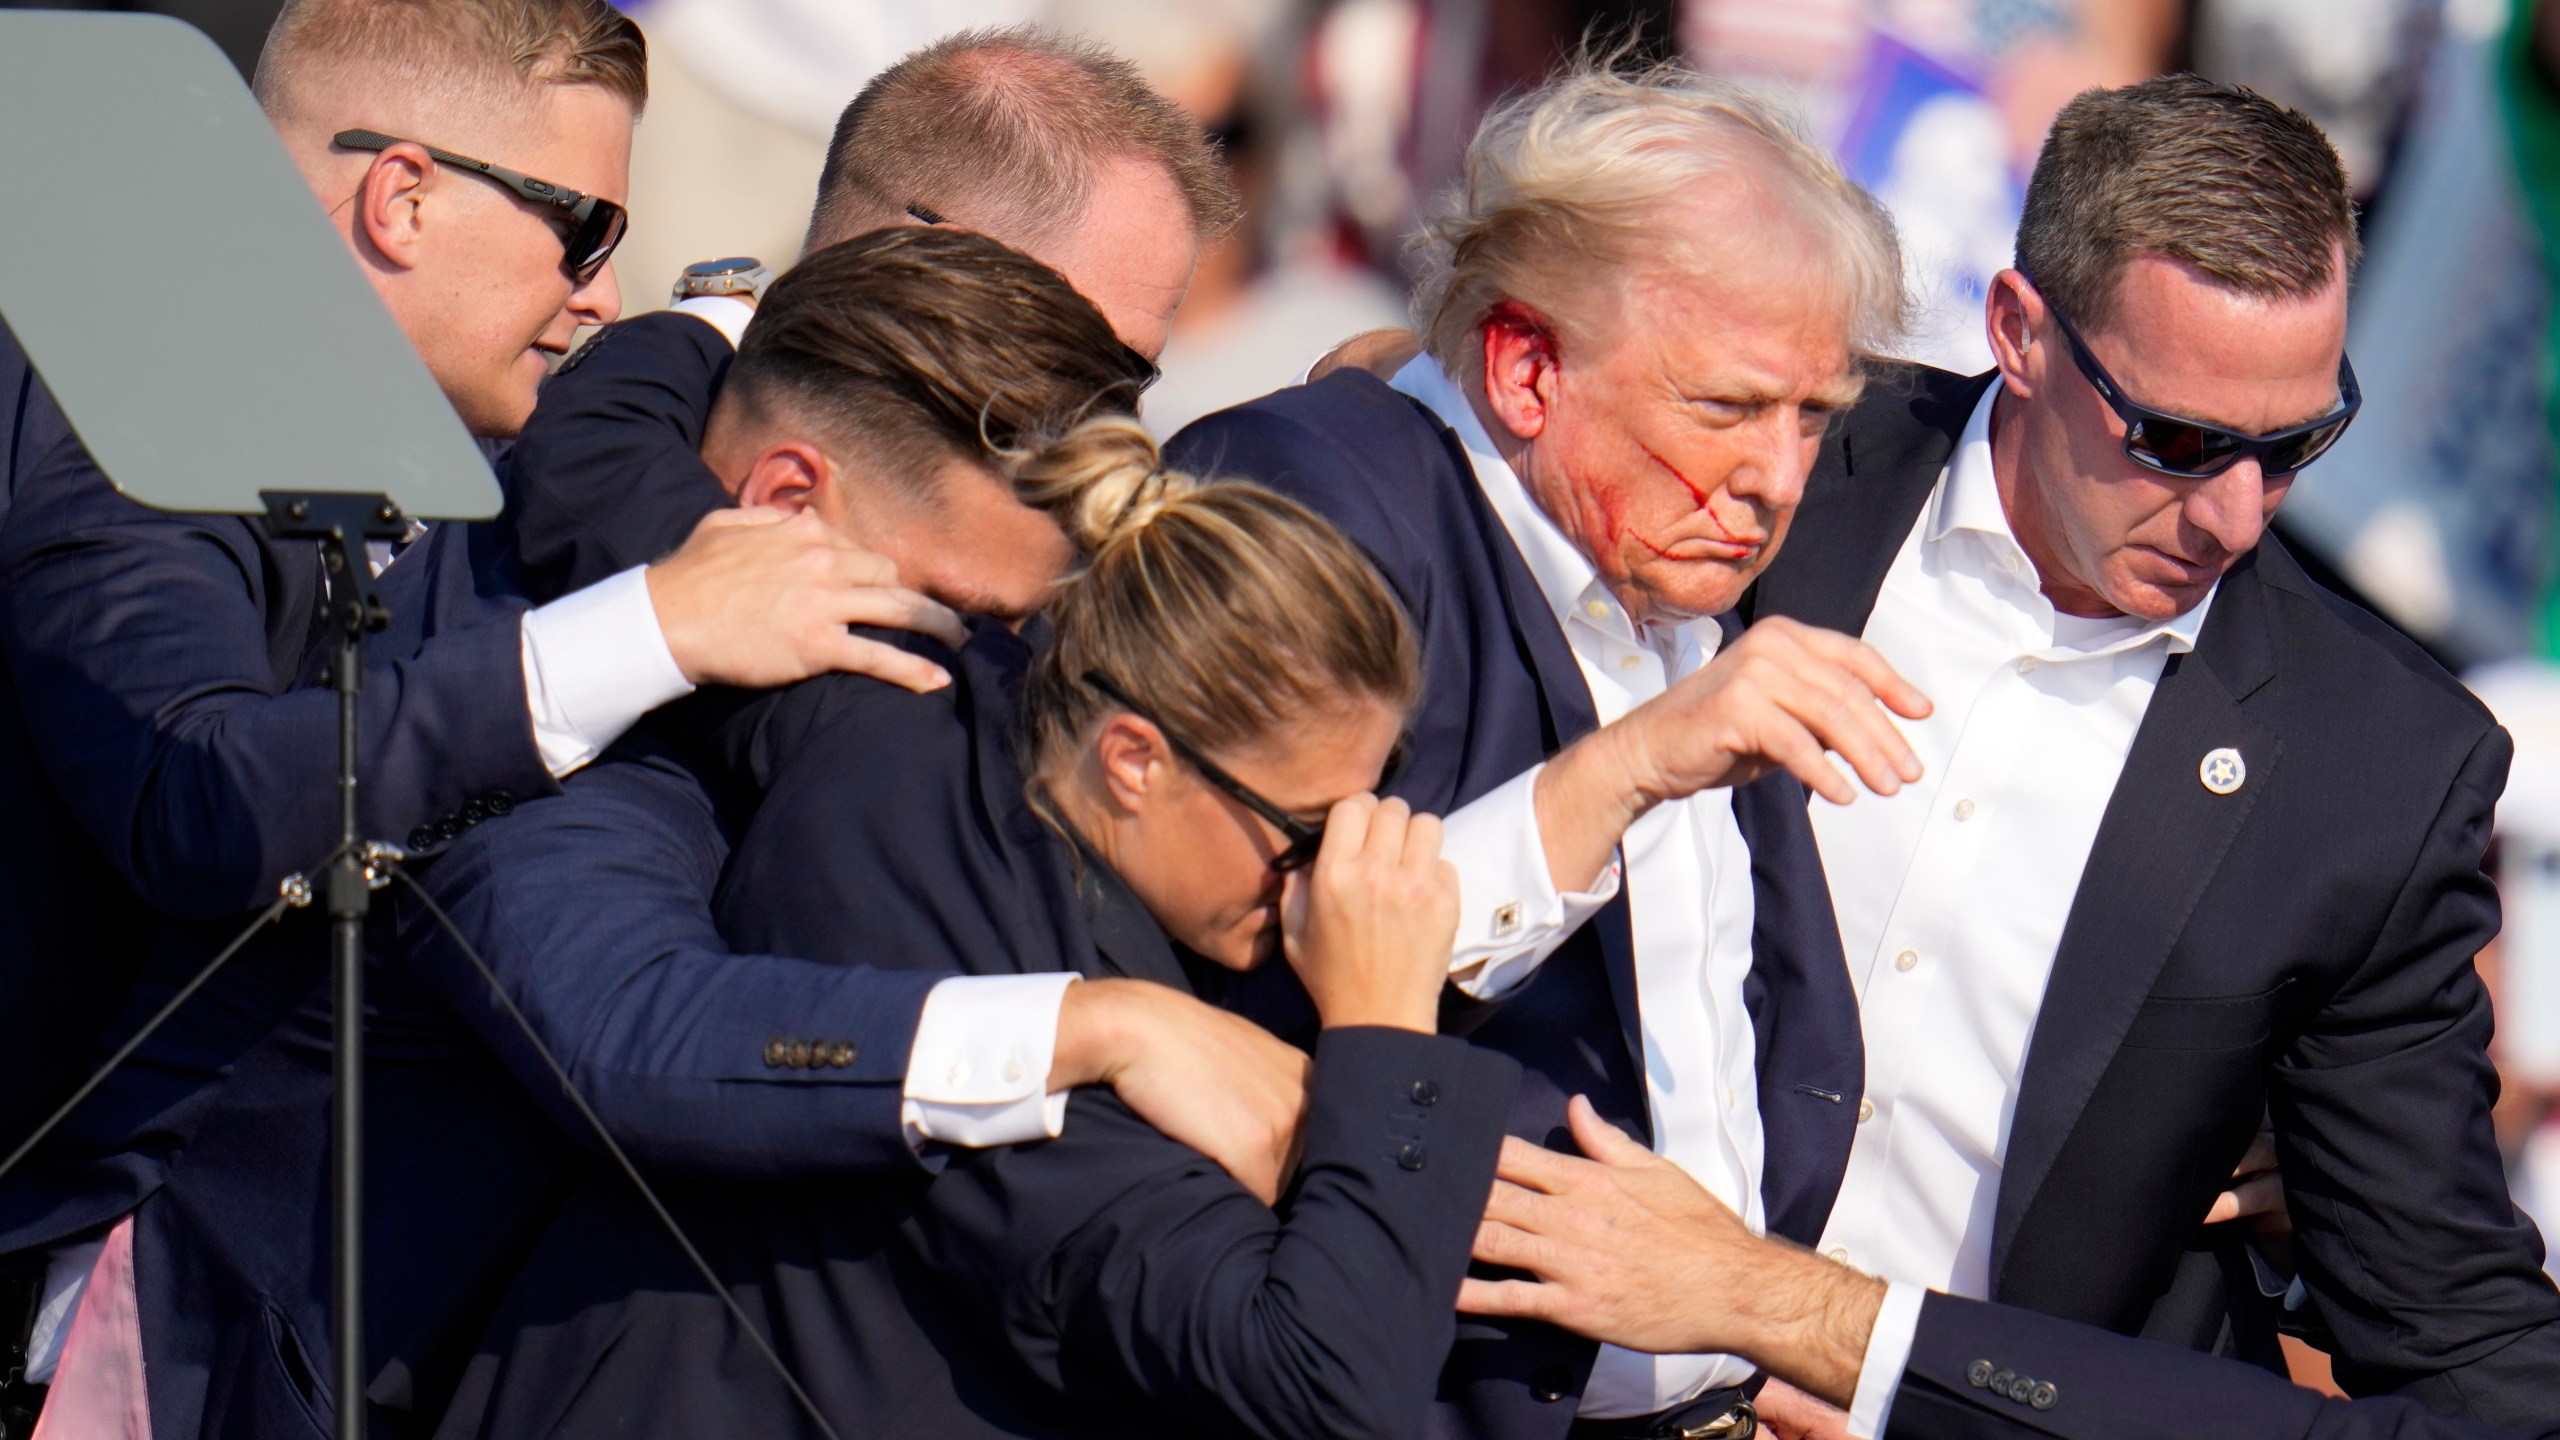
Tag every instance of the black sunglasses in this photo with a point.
(1304, 839)
(1144, 371)
(2192, 449)
(595, 225)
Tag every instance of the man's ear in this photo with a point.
(1522, 357)
(786, 475)
(390, 202)
(2013, 314)
(1132, 754)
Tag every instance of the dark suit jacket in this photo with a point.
(1990, 1372)
(1502, 693)
(1108, 1282)
(607, 473)
(2301, 947)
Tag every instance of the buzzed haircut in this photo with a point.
(464, 50)
(1001, 130)
(913, 345)
(2218, 176)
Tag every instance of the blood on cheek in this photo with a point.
(1612, 504)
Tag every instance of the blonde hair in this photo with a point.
(1572, 181)
(1226, 611)
(459, 52)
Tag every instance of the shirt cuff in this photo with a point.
(1888, 1355)
(725, 313)
(594, 663)
(979, 1073)
(1511, 917)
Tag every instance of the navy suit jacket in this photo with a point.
(2301, 947)
(1502, 692)
(1108, 1282)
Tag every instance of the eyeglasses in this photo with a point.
(1304, 839)
(2192, 449)
(595, 225)
(1144, 371)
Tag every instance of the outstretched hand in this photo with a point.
(760, 598)
(1626, 1248)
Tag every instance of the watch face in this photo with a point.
(712, 269)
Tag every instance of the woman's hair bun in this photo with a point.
(1105, 480)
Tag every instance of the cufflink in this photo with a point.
(1506, 919)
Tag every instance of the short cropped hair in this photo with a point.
(910, 345)
(1575, 178)
(2217, 176)
(1001, 130)
(466, 50)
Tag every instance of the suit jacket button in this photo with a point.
(799, 1056)
(1426, 1092)
(1978, 1374)
(2043, 1396)
(1411, 1157)
(2021, 1388)
(1551, 1383)
(2000, 1381)
(840, 1055)
(422, 837)
(499, 802)
(777, 1053)
(473, 812)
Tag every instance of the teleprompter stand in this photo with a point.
(249, 370)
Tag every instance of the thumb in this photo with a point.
(1601, 1140)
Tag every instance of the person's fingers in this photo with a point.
(2261, 1156)
(1601, 1140)
(894, 609)
(743, 517)
(1520, 1299)
(1874, 671)
(854, 565)
(1346, 827)
(855, 655)
(2257, 1195)
(1532, 1212)
(1384, 844)
(1842, 716)
(1792, 748)
(1422, 842)
(1501, 1243)
(1535, 1167)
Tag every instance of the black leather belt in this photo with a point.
(1716, 1415)
(21, 1296)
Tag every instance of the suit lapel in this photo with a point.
(1570, 715)
(2158, 845)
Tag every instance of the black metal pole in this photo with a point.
(349, 900)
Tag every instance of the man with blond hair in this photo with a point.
(1644, 308)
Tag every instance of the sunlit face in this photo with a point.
(472, 272)
(2110, 536)
(1199, 860)
(1132, 255)
(1672, 446)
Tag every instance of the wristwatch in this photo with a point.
(741, 275)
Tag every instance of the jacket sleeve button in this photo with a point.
(422, 837)
(799, 1056)
(1978, 1374)
(841, 1055)
(1426, 1092)
(1411, 1157)
(1550, 1383)
(499, 802)
(777, 1053)
(2044, 1396)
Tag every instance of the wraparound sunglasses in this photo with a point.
(593, 225)
(2192, 449)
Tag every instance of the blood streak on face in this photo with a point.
(1696, 495)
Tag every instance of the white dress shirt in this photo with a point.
(1952, 894)
(1688, 879)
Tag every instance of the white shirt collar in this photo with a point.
(1565, 576)
(1967, 500)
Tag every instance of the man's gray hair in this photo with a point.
(1585, 176)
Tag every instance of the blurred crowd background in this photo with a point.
(1342, 117)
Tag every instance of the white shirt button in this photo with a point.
(958, 1073)
(1866, 1111)
(1964, 809)
(1596, 609)
(2027, 665)
(1732, 1098)
(1837, 1255)
(1629, 662)
(1906, 960)
(1013, 1070)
